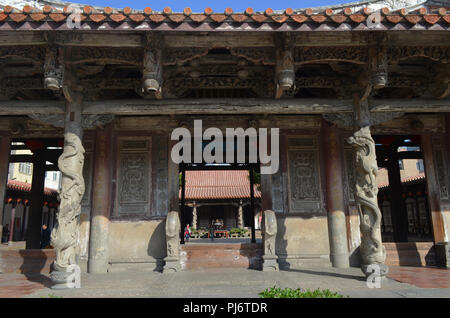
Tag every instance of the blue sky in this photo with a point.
(218, 6)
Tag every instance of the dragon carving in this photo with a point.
(64, 236)
(372, 250)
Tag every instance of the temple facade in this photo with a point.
(96, 93)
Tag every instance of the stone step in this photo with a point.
(216, 255)
(410, 254)
(26, 261)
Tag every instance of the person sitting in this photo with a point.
(187, 233)
(45, 236)
(5, 233)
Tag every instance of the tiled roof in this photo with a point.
(26, 187)
(218, 184)
(417, 177)
(330, 17)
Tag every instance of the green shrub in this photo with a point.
(235, 230)
(298, 293)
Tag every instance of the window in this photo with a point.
(419, 165)
(25, 168)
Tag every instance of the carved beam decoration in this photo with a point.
(173, 228)
(93, 121)
(373, 253)
(270, 234)
(33, 53)
(285, 69)
(262, 86)
(345, 120)
(53, 66)
(435, 53)
(351, 54)
(87, 121)
(263, 55)
(180, 56)
(152, 74)
(84, 54)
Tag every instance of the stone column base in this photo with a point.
(172, 265)
(63, 280)
(270, 263)
(443, 254)
(98, 266)
(380, 269)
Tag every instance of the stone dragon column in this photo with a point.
(194, 216)
(65, 235)
(240, 216)
(173, 227)
(270, 258)
(373, 253)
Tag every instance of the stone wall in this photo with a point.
(302, 242)
(140, 244)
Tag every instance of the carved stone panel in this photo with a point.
(349, 172)
(441, 168)
(160, 195)
(133, 176)
(304, 175)
(277, 192)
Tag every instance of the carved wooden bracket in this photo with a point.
(53, 66)
(152, 74)
(378, 67)
(285, 68)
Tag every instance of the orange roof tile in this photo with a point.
(218, 184)
(26, 187)
(417, 177)
(428, 17)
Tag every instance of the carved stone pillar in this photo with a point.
(337, 226)
(4, 163)
(101, 203)
(65, 235)
(194, 216)
(173, 227)
(11, 223)
(240, 216)
(372, 250)
(270, 262)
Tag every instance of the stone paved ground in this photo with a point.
(229, 283)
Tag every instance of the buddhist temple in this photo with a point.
(318, 103)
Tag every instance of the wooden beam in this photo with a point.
(16, 107)
(217, 106)
(224, 106)
(416, 105)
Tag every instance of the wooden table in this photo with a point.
(220, 231)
